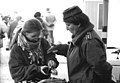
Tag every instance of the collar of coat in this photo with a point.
(81, 34)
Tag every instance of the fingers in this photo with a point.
(54, 72)
(45, 70)
(51, 64)
(42, 67)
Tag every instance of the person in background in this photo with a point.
(15, 33)
(50, 24)
(86, 53)
(29, 61)
(44, 33)
(12, 26)
(6, 19)
(3, 30)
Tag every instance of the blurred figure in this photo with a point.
(50, 24)
(29, 61)
(12, 26)
(86, 53)
(6, 19)
(3, 30)
(44, 33)
(38, 16)
(15, 32)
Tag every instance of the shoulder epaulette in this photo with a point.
(88, 36)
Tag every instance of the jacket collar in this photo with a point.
(80, 34)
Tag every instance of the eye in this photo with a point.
(67, 24)
(34, 36)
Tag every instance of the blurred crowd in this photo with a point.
(9, 25)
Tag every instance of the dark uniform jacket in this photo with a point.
(20, 67)
(86, 58)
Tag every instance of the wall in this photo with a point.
(114, 24)
(92, 10)
(97, 10)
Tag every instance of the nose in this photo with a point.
(67, 28)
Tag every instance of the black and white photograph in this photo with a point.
(59, 41)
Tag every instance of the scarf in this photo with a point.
(77, 38)
(34, 49)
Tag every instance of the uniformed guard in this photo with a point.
(86, 56)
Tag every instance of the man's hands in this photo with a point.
(51, 25)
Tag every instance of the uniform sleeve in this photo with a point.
(62, 49)
(95, 54)
(18, 70)
(96, 57)
(50, 56)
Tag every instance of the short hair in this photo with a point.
(37, 14)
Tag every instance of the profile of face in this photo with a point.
(72, 28)
(33, 36)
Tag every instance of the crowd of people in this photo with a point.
(12, 24)
(33, 52)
